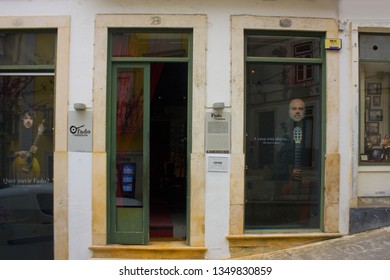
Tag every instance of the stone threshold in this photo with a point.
(154, 250)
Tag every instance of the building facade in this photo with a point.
(144, 129)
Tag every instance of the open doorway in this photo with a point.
(168, 150)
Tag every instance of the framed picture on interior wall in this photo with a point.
(368, 102)
(375, 115)
(373, 88)
(373, 139)
(372, 127)
(376, 101)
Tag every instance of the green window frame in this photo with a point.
(374, 99)
(27, 79)
(305, 63)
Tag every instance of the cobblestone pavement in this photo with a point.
(370, 245)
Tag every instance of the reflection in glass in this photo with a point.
(283, 146)
(129, 138)
(280, 46)
(27, 48)
(137, 44)
(133, 44)
(26, 153)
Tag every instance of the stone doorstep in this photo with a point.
(155, 250)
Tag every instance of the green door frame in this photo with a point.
(111, 111)
(128, 225)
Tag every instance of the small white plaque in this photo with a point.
(218, 164)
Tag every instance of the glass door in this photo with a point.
(129, 154)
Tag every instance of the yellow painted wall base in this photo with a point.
(155, 250)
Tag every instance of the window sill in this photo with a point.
(378, 167)
(155, 250)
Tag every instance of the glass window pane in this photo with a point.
(133, 44)
(374, 47)
(283, 146)
(280, 46)
(27, 48)
(129, 143)
(374, 112)
(26, 153)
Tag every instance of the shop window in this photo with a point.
(26, 144)
(284, 121)
(374, 68)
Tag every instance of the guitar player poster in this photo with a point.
(25, 165)
(283, 178)
(292, 149)
(26, 132)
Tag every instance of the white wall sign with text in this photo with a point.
(80, 131)
(218, 132)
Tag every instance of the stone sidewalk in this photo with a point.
(369, 245)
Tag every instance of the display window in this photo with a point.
(374, 69)
(26, 144)
(284, 118)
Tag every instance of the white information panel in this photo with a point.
(218, 132)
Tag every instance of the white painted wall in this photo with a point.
(345, 140)
(363, 9)
(217, 203)
(80, 205)
(361, 180)
(82, 14)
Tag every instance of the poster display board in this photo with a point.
(218, 132)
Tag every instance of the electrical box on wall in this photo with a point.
(333, 44)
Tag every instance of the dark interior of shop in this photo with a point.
(168, 150)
